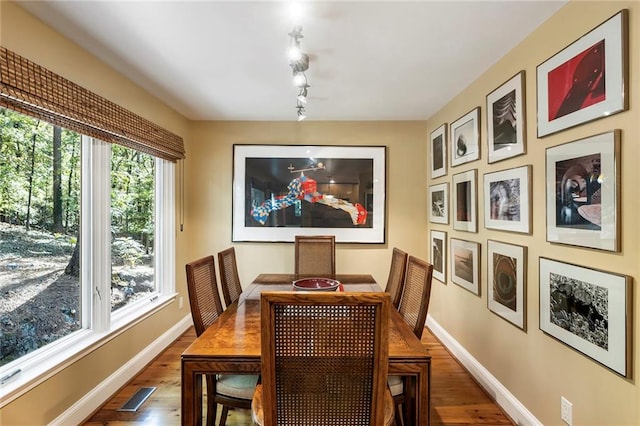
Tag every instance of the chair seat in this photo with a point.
(241, 386)
(396, 385)
(257, 410)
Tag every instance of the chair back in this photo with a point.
(395, 281)
(324, 357)
(229, 279)
(414, 303)
(204, 298)
(315, 255)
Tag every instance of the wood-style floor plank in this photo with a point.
(456, 399)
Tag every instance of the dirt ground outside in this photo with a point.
(38, 302)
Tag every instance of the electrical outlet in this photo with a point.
(180, 302)
(566, 411)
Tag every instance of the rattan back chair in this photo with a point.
(315, 255)
(229, 279)
(395, 281)
(324, 359)
(228, 390)
(413, 306)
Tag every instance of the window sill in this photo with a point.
(65, 352)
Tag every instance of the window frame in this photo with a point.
(98, 324)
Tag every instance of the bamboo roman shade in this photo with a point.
(33, 90)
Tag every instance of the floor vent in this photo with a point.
(137, 399)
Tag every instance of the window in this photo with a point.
(86, 247)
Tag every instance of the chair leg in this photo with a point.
(223, 416)
(212, 411)
(399, 415)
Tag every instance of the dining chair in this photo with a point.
(395, 281)
(414, 304)
(324, 359)
(229, 279)
(228, 390)
(315, 255)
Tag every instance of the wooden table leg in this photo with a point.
(191, 396)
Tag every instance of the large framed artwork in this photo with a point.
(583, 192)
(506, 130)
(586, 80)
(465, 138)
(507, 200)
(439, 203)
(280, 191)
(588, 310)
(506, 284)
(464, 200)
(464, 259)
(438, 255)
(439, 151)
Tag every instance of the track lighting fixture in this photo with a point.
(299, 63)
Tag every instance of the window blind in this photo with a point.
(34, 90)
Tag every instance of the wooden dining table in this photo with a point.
(231, 345)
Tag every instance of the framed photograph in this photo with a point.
(464, 258)
(280, 191)
(588, 310)
(439, 151)
(507, 200)
(465, 196)
(506, 130)
(506, 288)
(465, 138)
(439, 203)
(583, 185)
(586, 80)
(438, 255)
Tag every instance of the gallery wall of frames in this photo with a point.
(585, 308)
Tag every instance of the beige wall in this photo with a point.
(23, 34)
(534, 367)
(209, 180)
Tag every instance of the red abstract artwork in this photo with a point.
(577, 83)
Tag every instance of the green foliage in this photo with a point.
(26, 180)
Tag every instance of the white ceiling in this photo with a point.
(369, 60)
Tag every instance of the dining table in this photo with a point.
(231, 345)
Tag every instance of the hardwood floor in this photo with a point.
(456, 398)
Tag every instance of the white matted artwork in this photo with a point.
(465, 138)
(465, 201)
(439, 151)
(507, 200)
(583, 192)
(586, 80)
(589, 310)
(438, 255)
(280, 191)
(464, 264)
(506, 130)
(439, 203)
(506, 283)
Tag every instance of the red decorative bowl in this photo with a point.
(316, 284)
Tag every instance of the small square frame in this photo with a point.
(439, 255)
(438, 158)
(465, 201)
(587, 80)
(506, 120)
(566, 316)
(583, 192)
(507, 200)
(464, 264)
(506, 282)
(439, 203)
(464, 138)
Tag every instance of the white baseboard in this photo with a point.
(505, 399)
(83, 408)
